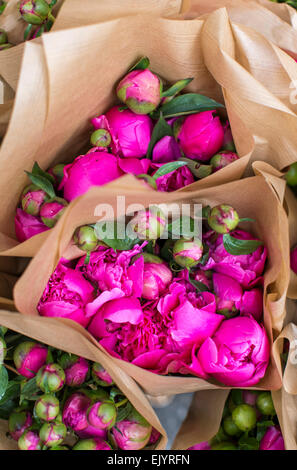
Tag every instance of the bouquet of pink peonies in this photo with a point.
(56, 400)
(242, 420)
(161, 306)
(168, 139)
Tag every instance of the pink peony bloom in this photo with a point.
(166, 150)
(156, 277)
(245, 269)
(251, 303)
(201, 446)
(111, 269)
(131, 133)
(66, 295)
(237, 355)
(272, 439)
(26, 225)
(293, 259)
(92, 169)
(174, 180)
(201, 135)
(140, 90)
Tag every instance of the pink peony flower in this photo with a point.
(75, 411)
(166, 150)
(272, 439)
(201, 135)
(131, 133)
(174, 180)
(245, 269)
(26, 225)
(140, 90)
(237, 355)
(92, 169)
(66, 295)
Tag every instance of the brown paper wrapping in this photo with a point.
(271, 226)
(62, 336)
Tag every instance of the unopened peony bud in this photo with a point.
(140, 90)
(28, 357)
(47, 407)
(250, 397)
(29, 440)
(272, 440)
(223, 218)
(222, 159)
(92, 444)
(156, 276)
(265, 404)
(101, 138)
(52, 210)
(149, 224)
(75, 368)
(228, 445)
(50, 378)
(32, 199)
(101, 376)
(102, 415)
(133, 433)
(34, 11)
(85, 238)
(3, 36)
(187, 253)
(52, 434)
(245, 417)
(230, 427)
(291, 175)
(18, 422)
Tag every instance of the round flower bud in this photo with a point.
(140, 90)
(156, 276)
(230, 427)
(102, 415)
(265, 404)
(244, 417)
(52, 434)
(149, 224)
(187, 253)
(92, 444)
(3, 36)
(32, 199)
(75, 368)
(85, 238)
(222, 159)
(47, 407)
(291, 175)
(18, 422)
(223, 218)
(29, 440)
(101, 138)
(101, 376)
(34, 11)
(28, 357)
(50, 378)
(52, 210)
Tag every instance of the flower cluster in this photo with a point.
(249, 422)
(150, 135)
(64, 402)
(185, 306)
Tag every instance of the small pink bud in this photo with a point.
(52, 210)
(29, 357)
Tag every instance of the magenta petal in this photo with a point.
(26, 225)
(166, 150)
(135, 166)
(127, 309)
(93, 307)
(149, 360)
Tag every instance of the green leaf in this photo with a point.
(142, 64)
(234, 246)
(149, 179)
(115, 392)
(168, 168)
(36, 170)
(236, 396)
(42, 183)
(246, 219)
(6, 409)
(3, 381)
(124, 412)
(160, 130)
(53, 3)
(27, 31)
(117, 244)
(188, 104)
(12, 391)
(205, 212)
(183, 226)
(248, 443)
(199, 170)
(149, 248)
(166, 250)
(198, 285)
(262, 428)
(177, 87)
(29, 390)
(2, 6)
(40, 31)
